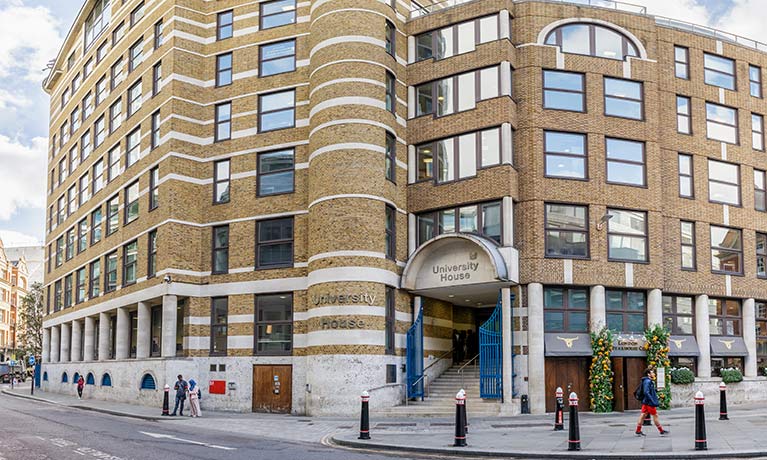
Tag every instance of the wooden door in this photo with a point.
(572, 374)
(632, 375)
(272, 388)
(619, 385)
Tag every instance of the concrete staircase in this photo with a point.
(440, 399)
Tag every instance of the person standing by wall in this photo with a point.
(181, 388)
(194, 399)
(80, 386)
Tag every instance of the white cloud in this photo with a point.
(22, 175)
(13, 239)
(29, 38)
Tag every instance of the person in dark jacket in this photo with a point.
(650, 402)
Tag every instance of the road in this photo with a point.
(38, 431)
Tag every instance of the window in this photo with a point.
(726, 251)
(219, 312)
(117, 75)
(157, 34)
(761, 334)
(134, 98)
(274, 246)
(686, 189)
(626, 311)
(115, 115)
(391, 35)
(223, 121)
(82, 189)
(567, 231)
(565, 309)
(154, 184)
(277, 13)
(97, 21)
(85, 145)
(755, 81)
(719, 71)
(679, 314)
(74, 159)
(136, 55)
(88, 68)
(70, 236)
(456, 39)
(277, 111)
(625, 162)
(592, 40)
(148, 382)
(683, 119)
(76, 80)
(114, 163)
(101, 52)
(95, 276)
(68, 291)
(721, 123)
(458, 157)
(457, 93)
(391, 232)
(220, 249)
(156, 78)
(64, 97)
(391, 92)
(482, 219)
(113, 218)
(87, 105)
(72, 200)
(761, 257)
(224, 69)
(118, 34)
(565, 155)
(682, 62)
(627, 235)
(130, 257)
(390, 160)
(276, 58)
(624, 98)
(155, 331)
(221, 182)
(152, 255)
(80, 286)
(564, 91)
(225, 25)
(757, 131)
(131, 202)
(274, 324)
(723, 183)
(133, 147)
(687, 241)
(57, 296)
(275, 172)
(137, 14)
(101, 90)
(760, 198)
(62, 208)
(155, 137)
(391, 321)
(724, 316)
(63, 170)
(96, 226)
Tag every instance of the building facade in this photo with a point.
(295, 201)
(14, 285)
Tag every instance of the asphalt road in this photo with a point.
(31, 430)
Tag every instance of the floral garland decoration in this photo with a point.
(601, 374)
(656, 346)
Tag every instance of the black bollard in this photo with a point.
(463, 409)
(559, 412)
(365, 417)
(700, 423)
(723, 402)
(460, 421)
(574, 436)
(166, 402)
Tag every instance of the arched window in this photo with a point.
(592, 40)
(147, 382)
(45, 376)
(64, 378)
(90, 379)
(106, 380)
(76, 377)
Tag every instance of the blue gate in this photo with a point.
(491, 356)
(414, 364)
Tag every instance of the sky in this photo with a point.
(31, 32)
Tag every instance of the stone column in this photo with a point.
(77, 336)
(507, 229)
(536, 383)
(66, 342)
(597, 313)
(169, 318)
(144, 332)
(507, 365)
(655, 308)
(749, 336)
(55, 344)
(46, 345)
(122, 347)
(104, 337)
(90, 338)
(703, 336)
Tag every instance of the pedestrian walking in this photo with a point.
(194, 399)
(80, 386)
(181, 388)
(647, 394)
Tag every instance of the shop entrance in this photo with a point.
(572, 374)
(272, 389)
(627, 373)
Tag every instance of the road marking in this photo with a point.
(174, 438)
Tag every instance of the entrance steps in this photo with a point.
(439, 400)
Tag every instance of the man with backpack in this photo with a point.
(647, 394)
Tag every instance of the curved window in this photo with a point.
(106, 380)
(90, 379)
(592, 40)
(64, 378)
(45, 376)
(147, 382)
(76, 377)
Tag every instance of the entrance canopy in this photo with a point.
(460, 268)
(562, 344)
(683, 345)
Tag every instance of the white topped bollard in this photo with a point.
(559, 412)
(365, 416)
(723, 402)
(700, 423)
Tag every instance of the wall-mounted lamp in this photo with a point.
(603, 220)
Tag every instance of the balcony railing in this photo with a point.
(609, 4)
(710, 32)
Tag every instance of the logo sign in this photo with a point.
(628, 343)
(727, 343)
(342, 324)
(344, 299)
(568, 340)
(678, 343)
(457, 263)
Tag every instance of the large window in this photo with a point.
(391, 92)
(719, 71)
(276, 172)
(683, 116)
(221, 182)
(96, 225)
(117, 75)
(97, 21)
(80, 287)
(110, 275)
(113, 215)
(134, 98)
(136, 55)
(625, 310)
(99, 131)
(724, 316)
(564, 91)
(679, 314)
(390, 325)
(101, 90)
(68, 291)
(115, 115)
(277, 13)
(721, 123)
(687, 243)
(224, 69)
(82, 235)
(223, 129)
(152, 254)
(274, 324)
(723, 183)
(220, 250)
(458, 157)
(219, 316)
(157, 40)
(391, 232)
(274, 246)
(761, 255)
(133, 147)
(760, 197)
(726, 250)
(755, 80)
(70, 243)
(131, 202)
(565, 309)
(456, 39)
(130, 259)
(390, 158)
(757, 131)
(682, 62)
(592, 40)
(390, 37)
(457, 93)
(483, 219)
(113, 158)
(137, 14)
(567, 231)
(225, 25)
(277, 111)
(95, 275)
(686, 187)
(276, 58)
(624, 98)
(565, 155)
(625, 162)
(627, 235)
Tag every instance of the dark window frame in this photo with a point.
(692, 245)
(220, 121)
(566, 308)
(752, 82)
(626, 42)
(738, 252)
(157, 38)
(108, 273)
(390, 328)
(736, 126)
(128, 204)
(215, 249)
(436, 163)
(584, 156)
(223, 70)
(262, 60)
(126, 264)
(547, 229)
(718, 181)
(261, 15)
(156, 78)
(690, 176)
(725, 317)
(646, 236)
(94, 273)
(761, 255)
(582, 92)
(390, 158)
(433, 88)
(291, 240)
(642, 163)
(760, 193)
(154, 134)
(218, 181)
(433, 37)
(624, 308)
(674, 314)
(215, 326)
(151, 269)
(685, 62)
(260, 174)
(258, 322)
(390, 38)
(261, 113)
(220, 24)
(390, 226)
(733, 75)
(757, 132)
(436, 224)
(686, 116)
(607, 96)
(154, 188)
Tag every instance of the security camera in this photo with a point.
(167, 279)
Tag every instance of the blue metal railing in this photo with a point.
(491, 356)
(414, 358)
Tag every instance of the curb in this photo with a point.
(149, 418)
(565, 455)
